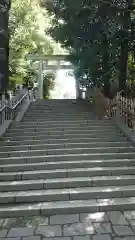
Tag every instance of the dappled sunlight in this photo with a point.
(105, 202)
(15, 182)
(110, 189)
(30, 193)
(79, 229)
(131, 200)
(93, 217)
(130, 215)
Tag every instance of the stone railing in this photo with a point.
(127, 110)
(120, 107)
(104, 106)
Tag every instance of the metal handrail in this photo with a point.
(12, 108)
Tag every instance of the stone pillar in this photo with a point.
(80, 94)
(40, 79)
(77, 89)
(89, 93)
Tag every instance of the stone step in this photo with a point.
(62, 128)
(58, 106)
(67, 194)
(66, 164)
(63, 145)
(61, 122)
(67, 207)
(63, 173)
(58, 112)
(57, 124)
(62, 159)
(16, 127)
(59, 117)
(69, 107)
(66, 131)
(66, 151)
(50, 131)
(63, 134)
(45, 119)
(74, 182)
(95, 140)
(28, 120)
(69, 157)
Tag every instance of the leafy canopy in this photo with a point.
(28, 25)
(99, 36)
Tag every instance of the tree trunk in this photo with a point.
(4, 44)
(123, 65)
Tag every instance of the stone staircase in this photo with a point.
(61, 159)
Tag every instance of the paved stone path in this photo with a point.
(84, 226)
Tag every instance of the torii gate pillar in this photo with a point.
(40, 79)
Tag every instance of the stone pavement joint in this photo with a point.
(63, 219)
(58, 238)
(49, 231)
(3, 233)
(124, 238)
(21, 232)
(78, 229)
(84, 226)
(117, 218)
(16, 238)
(101, 237)
(123, 230)
(87, 237)
(32, 238)
(102, 228)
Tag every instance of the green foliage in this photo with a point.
(21, 24)
(48, 84)
(99, 37)
(28, 24)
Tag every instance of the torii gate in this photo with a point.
(43, 64)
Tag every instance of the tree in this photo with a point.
(48, 84)
(4, 43)
(97, 37)
(28, 26)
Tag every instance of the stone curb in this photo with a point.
(23, 110)
(129, 134)
(4, 127)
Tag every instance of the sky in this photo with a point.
(64, 85)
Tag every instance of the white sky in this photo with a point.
(64, 84)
